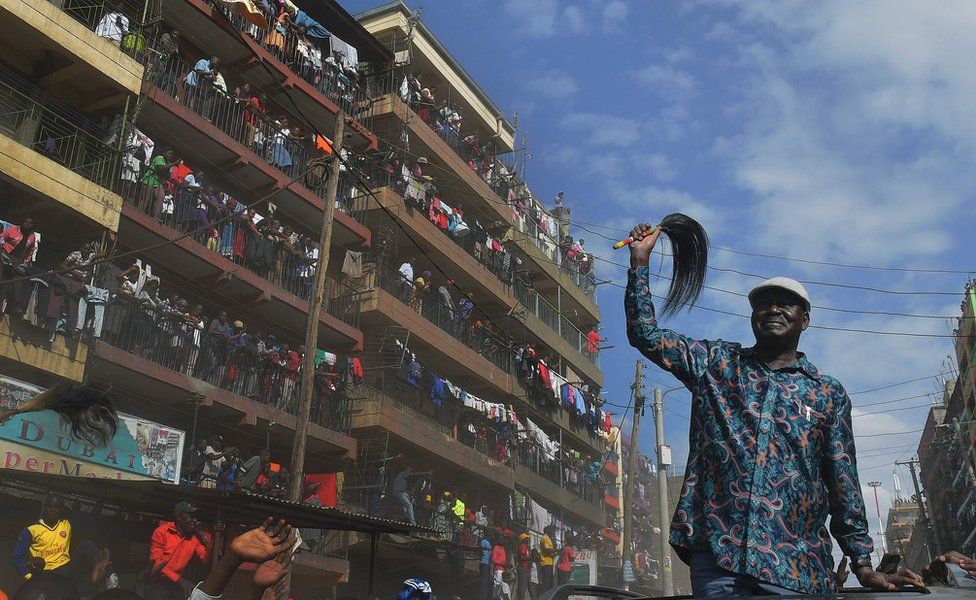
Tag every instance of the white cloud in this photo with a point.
(614, 15)
(667, 80)
(574, 20)
(857, 119)
(534, 18)
(604, 130)
(552, 85)
(659, 166)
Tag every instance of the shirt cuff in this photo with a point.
(198, 594)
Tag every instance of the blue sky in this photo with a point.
(833, 131)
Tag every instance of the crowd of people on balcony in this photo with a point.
(304, 45)
(183, 197)
(494, 429)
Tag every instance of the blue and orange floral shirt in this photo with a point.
(772, 455)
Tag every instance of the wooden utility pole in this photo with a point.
(923, 517)
(663, 462)
(638, 393)
(315, 308)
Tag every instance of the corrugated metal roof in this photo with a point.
(157, 499)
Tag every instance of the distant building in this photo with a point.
(901, 522)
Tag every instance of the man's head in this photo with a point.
(168, 155)
(780, 311)
(265, 455)
(217, 442)
(222, 317)
(183, 516)
(47, 586)
(27, 225)
(202, 443)
(214, 62)
(53, 509)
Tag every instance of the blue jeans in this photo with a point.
(708, 580)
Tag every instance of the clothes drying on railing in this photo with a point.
(550, 448)
(313, 28)
(349, 55)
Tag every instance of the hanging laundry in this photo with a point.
(352, 264)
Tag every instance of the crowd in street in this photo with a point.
(56, 566)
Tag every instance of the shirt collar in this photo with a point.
(801, 363)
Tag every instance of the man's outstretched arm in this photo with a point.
(683, 357)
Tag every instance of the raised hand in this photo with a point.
(100, 570)
(262, 543)
(645, 236)
(270, 572)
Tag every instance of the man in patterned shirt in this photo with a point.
(772, 450)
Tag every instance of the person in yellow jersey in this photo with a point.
(45, 545)
(547, 552)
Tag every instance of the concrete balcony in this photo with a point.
(467, 271)
(561, 497)
(242, 395)
(235, 283)
(87, 70)
(240, 47)
(221, 142)
(422, 435)
(457, 361)
(25, 350)
(424, 141)
(53, 159)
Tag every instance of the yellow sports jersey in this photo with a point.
(546, 551)
(51, 543)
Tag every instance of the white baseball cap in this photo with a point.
(783, 283)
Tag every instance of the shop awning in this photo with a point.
(157, 499)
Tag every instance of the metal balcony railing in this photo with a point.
(564, 473)
(502, 178)
(390, 387)
(472, 329)
(118, 21)
(165, 337)
(267, 249)
(285, 147)
(535, 304)
(307, 58)
(32, 118)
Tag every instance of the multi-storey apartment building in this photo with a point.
(175, 145)
(480, 375)
(179, 146)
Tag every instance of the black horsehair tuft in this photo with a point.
(689, 249)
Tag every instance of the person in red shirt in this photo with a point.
(593, 342)
(171, 548)
(17, 247)
(499, 560)
(523, 564)
(567, 556)
(292, 363)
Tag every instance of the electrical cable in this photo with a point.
(809, 261)
(824, 327)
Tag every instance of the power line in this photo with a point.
(874, 435)
(824, 327)
(811, 261)
(891, 385)
(891, 410)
